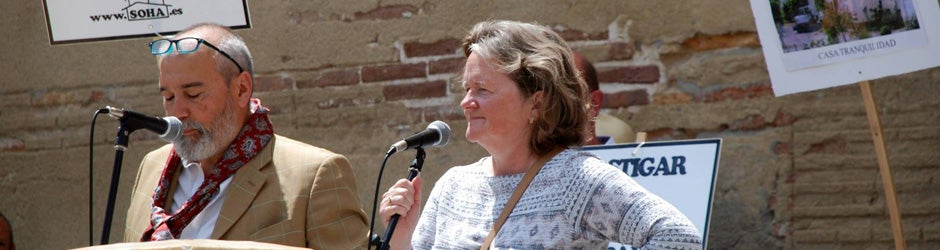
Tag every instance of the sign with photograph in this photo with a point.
(681, 172)
(98, 20)
(815, 44)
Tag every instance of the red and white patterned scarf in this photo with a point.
(256, 133)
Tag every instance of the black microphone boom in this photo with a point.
(169, 128)
(436, 135)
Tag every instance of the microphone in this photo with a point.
(436, 135)
(169, 128)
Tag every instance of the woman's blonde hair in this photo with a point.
(537, 59)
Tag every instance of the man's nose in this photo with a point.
(179, 109)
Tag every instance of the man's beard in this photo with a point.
(210, 142)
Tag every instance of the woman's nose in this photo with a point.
(469, 102)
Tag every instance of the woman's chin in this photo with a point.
(473, 135)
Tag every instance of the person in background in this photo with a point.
(526, 105)
(230, 177)
(604, 128)
(6, 234)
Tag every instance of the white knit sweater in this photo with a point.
(576, 201)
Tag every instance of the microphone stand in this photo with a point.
(120, 145)
(413, 171)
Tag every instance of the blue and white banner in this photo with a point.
(96, 20)
(681, 172)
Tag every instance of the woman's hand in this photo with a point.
(404, 199)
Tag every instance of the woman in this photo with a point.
(524, 100)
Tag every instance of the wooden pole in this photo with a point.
(886, 179)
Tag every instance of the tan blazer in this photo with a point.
(290, 194)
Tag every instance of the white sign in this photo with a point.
(95, 20)
(681, 172)
(832, 43)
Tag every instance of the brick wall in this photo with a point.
(796, 171)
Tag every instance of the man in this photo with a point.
(230, 177)
(6, 234)
(605, 129)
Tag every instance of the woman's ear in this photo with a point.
(537, 100)
(538, 97)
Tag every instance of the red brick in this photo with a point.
(44, 98)
(828, 146)
(732, 93)
(332, 78)
(702, 42)
(782, 148)
(272, 83)
(751, 122)
(12, 145)
(95, 96)
(577, 35)
(415, 91)
(630, 74)
(388, 12)
(671, 98)
(738, 93)
(446, 66)
(621, 50)
(447, 46)
(783, 119)
(391, 72)
(626, 99)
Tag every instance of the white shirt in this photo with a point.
(575, 202)
(191, 178)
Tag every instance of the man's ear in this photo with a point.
(242, 88)
(597, 100)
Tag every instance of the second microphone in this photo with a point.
(436, 135)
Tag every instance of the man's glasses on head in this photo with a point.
(185, 46)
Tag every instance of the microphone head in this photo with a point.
(174, 129)
(443, 130)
